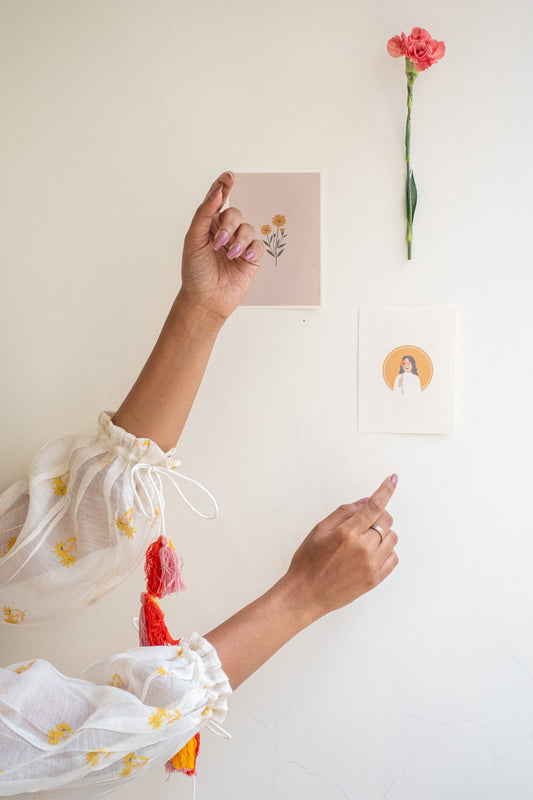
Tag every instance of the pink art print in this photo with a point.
(284, 208)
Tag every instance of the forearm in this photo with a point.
(249, 638)
(159, 403)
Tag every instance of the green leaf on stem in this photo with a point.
(410, 196)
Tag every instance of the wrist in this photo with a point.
(195, 314)
(300, 611)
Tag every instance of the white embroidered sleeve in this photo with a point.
(127, 714)
(81, 522)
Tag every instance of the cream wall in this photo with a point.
(115, 118)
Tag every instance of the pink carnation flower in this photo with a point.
(418, 47)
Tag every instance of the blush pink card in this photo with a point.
(285, 210)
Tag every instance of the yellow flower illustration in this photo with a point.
(13, 615)
(65, 551)
(60, 484)
(9, 545)
(117, 681)
(208, 710)
(131, 762)
(93, 758)
(275, 241)
(24, 667)
(61, 731)
(124, 525)
(162, 715)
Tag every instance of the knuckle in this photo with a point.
(394, 538)
(347, 508)
(387, 519)
(373, 507)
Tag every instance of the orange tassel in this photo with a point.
(162, 570)
(185, 760)
(152, 628)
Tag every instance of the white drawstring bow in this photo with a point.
(153, 473)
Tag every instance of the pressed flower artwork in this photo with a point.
(420, 52)
(275, 241)
(284, 208)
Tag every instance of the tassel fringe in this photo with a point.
(185, 760)
(163, 576)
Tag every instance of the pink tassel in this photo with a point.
(143, 633)
(171, 580)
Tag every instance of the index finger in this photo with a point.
(213, 202)
(376, 504)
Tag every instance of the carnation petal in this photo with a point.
(419, 33)
(396, 46)
(440, 49)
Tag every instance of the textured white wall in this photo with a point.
(116, 114)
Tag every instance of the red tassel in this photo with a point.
(152, 628)
(162, 569)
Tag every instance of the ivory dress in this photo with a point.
(69, 533)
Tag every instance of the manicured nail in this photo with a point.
(214, 191)
(232, 174)
(394, 479)
(250, 255)
(235, 251)
(220, 240)
(364, 500)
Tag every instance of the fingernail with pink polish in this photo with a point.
(220, 240)
(232, 174)
(214, 191)
(364, 500)
(394, 479)
(235, 251)
(250, 255)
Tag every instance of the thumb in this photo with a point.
(206, 211)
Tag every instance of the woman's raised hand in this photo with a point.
(220, 253)
(343, 557)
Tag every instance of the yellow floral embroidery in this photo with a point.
(62, 731)
(60, 484)
(24, 667)
(9, 545)
(124, 525)
(162, 715)
(13, 615)
(65, 551)
(162, 671)
(117, 681)
(131, 762)
(207, 711)
(93, 758)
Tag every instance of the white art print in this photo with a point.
(406, 369)
(285, 210)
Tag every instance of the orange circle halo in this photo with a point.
(424, 365)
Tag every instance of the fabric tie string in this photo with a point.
(152, 474)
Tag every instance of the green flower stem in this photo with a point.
(410, 188)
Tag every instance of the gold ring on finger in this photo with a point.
(379, 530)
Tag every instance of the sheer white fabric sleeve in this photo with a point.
(82, 521)
(125, 715)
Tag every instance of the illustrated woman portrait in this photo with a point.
(407, 381)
